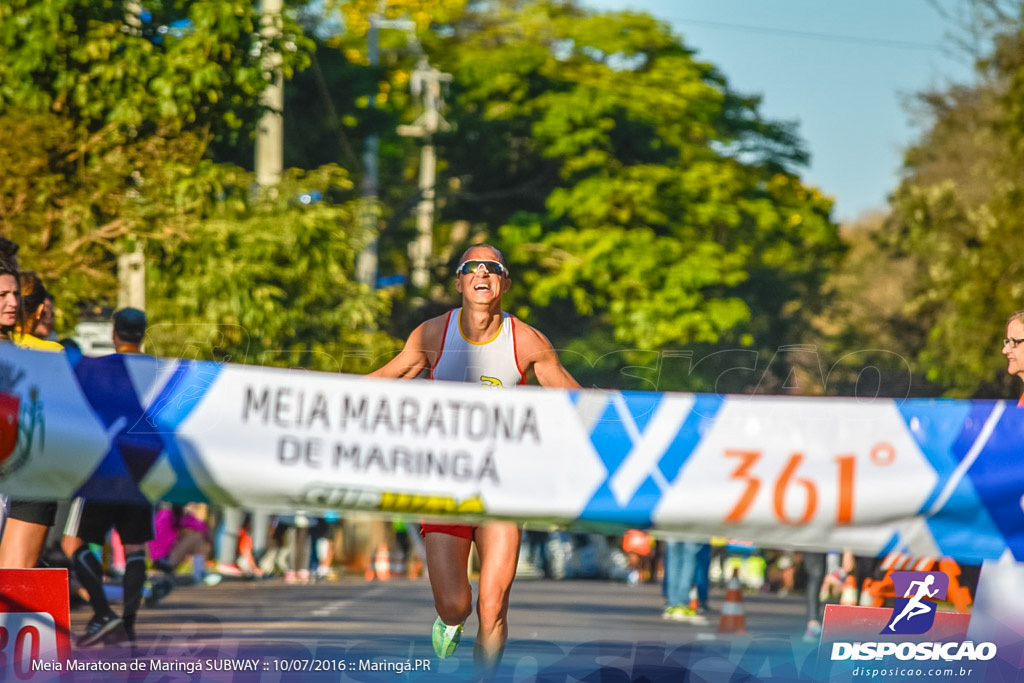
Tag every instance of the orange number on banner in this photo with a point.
(753, 484)
(844, 506)
(23, 663)
(783, 483)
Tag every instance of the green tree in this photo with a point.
(867, 340)
(106, 112)
(646, 206)
(266, 278)
(114, 129)
(957, 216)
(73, 198)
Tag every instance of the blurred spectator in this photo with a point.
(178, 535)
(780, 572)
(639, 549)
(687, 568)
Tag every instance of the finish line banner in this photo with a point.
(928, 477)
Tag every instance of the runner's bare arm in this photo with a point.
(418, 354)
(535, 354)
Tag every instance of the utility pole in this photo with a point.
(366, 265)
(270, 130)
(426, 81)
(131, 279)
(131, 266)
(269, 165)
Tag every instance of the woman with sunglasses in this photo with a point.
(481, 344)
(1013, 347)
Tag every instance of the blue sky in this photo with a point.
(843, 69)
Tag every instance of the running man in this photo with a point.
(914, 606)
(481, 344)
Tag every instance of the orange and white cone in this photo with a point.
(733, 620)
(867, 593)
(849, 595)
(382, 563)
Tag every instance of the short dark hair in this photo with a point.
(497, 252)
(33, 291)
(130, 325)
(8, 257)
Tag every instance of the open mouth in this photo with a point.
(481, 287)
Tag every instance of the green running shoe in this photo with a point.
(446, 638)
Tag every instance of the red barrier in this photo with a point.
(35, 620)
(852, 622)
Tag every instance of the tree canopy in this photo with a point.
(956, 216)
(647, 208)
(119, 126)
(644, 204)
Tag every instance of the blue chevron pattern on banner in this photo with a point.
(1000, 493)
(698, 422)
(107, 385)
(616, 434)
(141, 434)
(176, 401)
(946, 431)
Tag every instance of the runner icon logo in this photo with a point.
(914, 612)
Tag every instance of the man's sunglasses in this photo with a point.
(492, 267)
(1012, 342)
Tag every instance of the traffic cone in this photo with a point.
(733, 620)
(867, 593)
(382, 563)
(849, 594)
(398, 564)
(694, 603)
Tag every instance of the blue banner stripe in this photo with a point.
(698, 422)
(1002, 494)
(936, 426)
(134, 447)
(642, 407)
(611, 439)
(603, 508)
(179, 396)
(613, 443)
(964, 529)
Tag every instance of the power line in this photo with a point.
(882, 42)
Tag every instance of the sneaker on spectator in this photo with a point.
(229, 569)
(162, 566)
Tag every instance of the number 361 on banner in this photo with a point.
(799, 465)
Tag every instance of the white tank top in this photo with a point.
(491, 363)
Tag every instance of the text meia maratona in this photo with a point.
(426, 437)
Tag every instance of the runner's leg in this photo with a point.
(447, 559)
(498, 545)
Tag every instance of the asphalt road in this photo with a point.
(354, 629)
